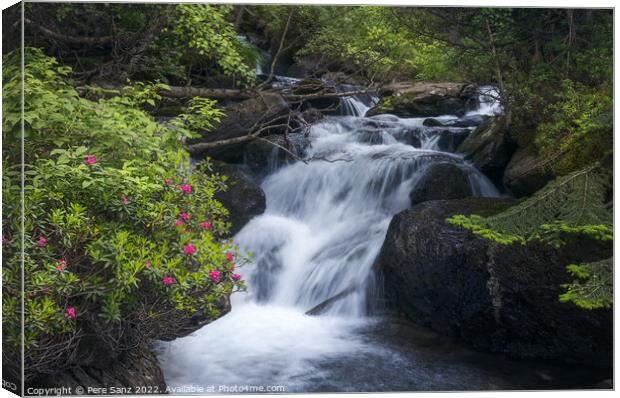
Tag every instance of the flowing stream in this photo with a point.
(317, 240)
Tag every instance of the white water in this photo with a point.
(319, 236)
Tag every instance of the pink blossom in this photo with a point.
(42, 241)
(236, 277)
(70, 312)
(186, 188)
(184, 216)
(167, 280)
(189, 249)
(168, 181)
(215, 276)
(90, 159)
(178, 222)
(206, 225)
(147, 264)
(229, 256)
(45, 290)
(125, 200)
(62, 264)
(3, 239)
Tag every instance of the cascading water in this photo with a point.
(315, 246)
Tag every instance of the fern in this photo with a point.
(571, 204)
(593, 287)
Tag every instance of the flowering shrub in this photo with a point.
(121, 243)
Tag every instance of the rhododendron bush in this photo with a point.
(121, 243)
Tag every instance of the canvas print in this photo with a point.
(203, 198)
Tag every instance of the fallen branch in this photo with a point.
(305, 97)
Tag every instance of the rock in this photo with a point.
(328, 106)
(426, 99)
(431, 122)
(137, 368)
(441, 181)
(261, 157)
(239, 121)
(244, 198)
(468, 121)
(499, 298)
(524, 174)
(450, 139)
(489, 148)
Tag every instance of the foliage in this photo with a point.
(579, 125)
(570, 205)
(204, 29)
(367, 40)
(201, 116)
(120, 241)
(593, 285)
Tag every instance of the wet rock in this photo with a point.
(244, 198)
(489, 147)
(525, 173)
(468, 121)
(450, 139)
(426, 99)
(240, 119)
(263, 156)
(441, 181)
(431, 122)
(500, 298)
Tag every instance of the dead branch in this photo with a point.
(91, 41)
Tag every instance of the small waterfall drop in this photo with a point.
(315, 246)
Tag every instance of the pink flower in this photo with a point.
(62, 264)
(215, 276)
(3, 239)
(147, 264)
(229, 256)
(178, 222)
(186, 188)
(206, 225)
(90, 159)
(189, 249)
(42, 242)
(45, 290)
(70, 312)
(167, 280)
(236, 277)
(168, 181)
(125, 200)
(184, 216)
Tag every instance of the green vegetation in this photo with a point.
(120, 240)
(568, 206)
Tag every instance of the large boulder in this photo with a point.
(426, 99)
(500, 298)
(441, 181)
(489, 147)
(240, 120)
(526, 173)
(244, 198)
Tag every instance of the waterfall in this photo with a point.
(315, 246)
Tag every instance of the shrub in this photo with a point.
(121, 243)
